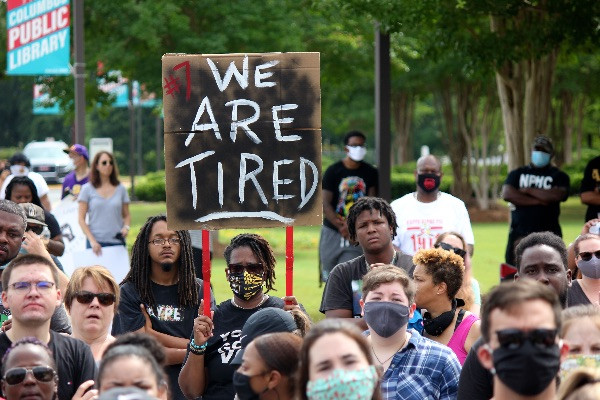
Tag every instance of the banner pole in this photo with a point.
(289, 260)
(206, 270)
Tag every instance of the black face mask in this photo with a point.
(528, 369)
(244, 391)
(435, 326)
(385, 317)
(428, 182)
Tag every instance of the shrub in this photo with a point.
(151, 187)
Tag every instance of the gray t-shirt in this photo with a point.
(105, 216)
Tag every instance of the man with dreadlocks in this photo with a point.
(371, 223)
(162, 282)
(208, 369)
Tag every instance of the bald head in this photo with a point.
(429, 164)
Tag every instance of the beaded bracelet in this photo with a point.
(196, 349)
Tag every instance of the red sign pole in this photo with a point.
(206, 270)
(289, 260)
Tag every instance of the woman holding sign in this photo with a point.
(208, 370)
(105, 202)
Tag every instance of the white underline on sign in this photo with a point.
(233, 214)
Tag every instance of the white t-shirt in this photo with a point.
(38, 180)
(419, 224)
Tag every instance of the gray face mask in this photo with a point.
(386, 318)
(590, 268)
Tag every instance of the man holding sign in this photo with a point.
(163, 282)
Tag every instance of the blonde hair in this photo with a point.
(577, 313)
(582, 384)
(443, 266)
(99, 275)
(466, 291)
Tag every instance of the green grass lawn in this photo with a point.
(490, 243)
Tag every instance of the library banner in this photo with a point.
(38, 41)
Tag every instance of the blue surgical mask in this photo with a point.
(539, 158)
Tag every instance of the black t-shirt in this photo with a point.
(476, 382)
(224, 345)
(167, 317)
(591, 181)
(347, 186)
(576, 296)
(74, 361)
(52, 223)
(538, 218)
(343, 289)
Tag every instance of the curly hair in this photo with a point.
(141, 266)
(443, 266)
(538, 239)
(371, 204)
(26, 340)
(261, 249)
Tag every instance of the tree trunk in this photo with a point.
(524, 94)
(566, 126)
(403, 106)
(580, 116)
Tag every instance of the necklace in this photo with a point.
(393, 354)
(393, 262)
(264, 298)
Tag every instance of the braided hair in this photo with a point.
(141, 267)
(27, 340)
(261, 249)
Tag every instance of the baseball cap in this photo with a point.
(545, 143)
(125, 393)
(35, 214)
(79, 149)
(266, 320)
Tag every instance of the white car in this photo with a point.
(49, 160)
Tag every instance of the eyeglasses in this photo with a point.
(160, 241)
(37, 229)
(587, 255)
(456, 250)
(25, 287)
(514, 338)
(254, 268)
(85, 297)
(106, 162)
(14, 376)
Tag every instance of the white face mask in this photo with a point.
(19, 170)
(356, 153)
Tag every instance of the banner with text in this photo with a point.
(38, 37)
(242, 140)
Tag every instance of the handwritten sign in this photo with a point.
(242, 140)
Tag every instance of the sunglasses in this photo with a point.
(236, 269)
(37, 229)
(587, 255)
(106, 163)
(447, 247)
(14, 376)
(514, 338)
(106, 299)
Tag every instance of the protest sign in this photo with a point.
(38, 37)
(67, 215)
(242, 140)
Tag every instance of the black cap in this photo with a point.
(18, 158)
(266, 320)
(544, 143)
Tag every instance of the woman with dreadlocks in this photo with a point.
(208, 370)
(162, 282)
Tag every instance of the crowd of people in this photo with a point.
(404, 315)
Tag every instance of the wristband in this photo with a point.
(196, 349)
(126, 227)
